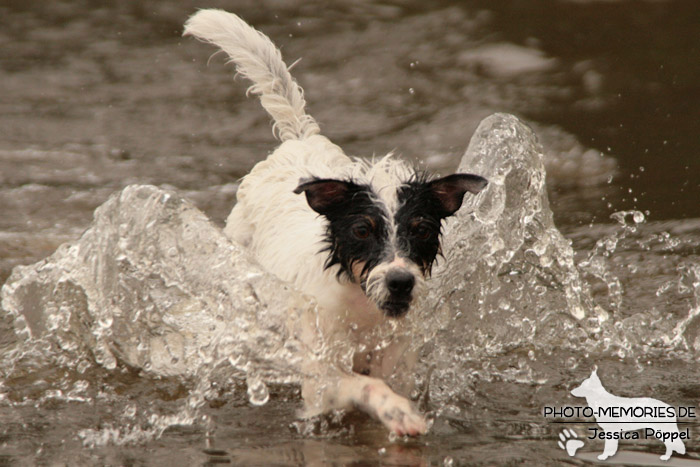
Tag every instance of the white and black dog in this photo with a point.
(362, 242)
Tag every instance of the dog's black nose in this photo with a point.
(400, 281)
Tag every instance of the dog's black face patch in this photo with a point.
(418, 229)
(422, 206)
(362, 234)
(358, 230)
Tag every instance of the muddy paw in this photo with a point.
(404, 421)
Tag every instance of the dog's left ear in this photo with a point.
(449, 191)
(325, 195)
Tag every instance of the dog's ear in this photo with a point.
(325, 195)
(449, 191)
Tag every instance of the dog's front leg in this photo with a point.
(395, 364)
(394, 411)
(371, 395)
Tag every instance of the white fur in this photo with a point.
(260, 61)
(286, 236)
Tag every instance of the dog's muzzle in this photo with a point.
(399, 283)
(392, 289)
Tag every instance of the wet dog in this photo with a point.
(361, 237)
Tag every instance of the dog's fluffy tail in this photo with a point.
(257, 59)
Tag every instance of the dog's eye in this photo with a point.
(361, 231)
(422, 231)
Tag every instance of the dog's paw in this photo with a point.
(402, 419)
(395, 412)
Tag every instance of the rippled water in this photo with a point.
(96, 98)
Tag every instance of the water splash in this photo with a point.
(258, 393)
(596, 264)
(507, 269)
(152, 285)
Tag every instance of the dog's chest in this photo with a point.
(346, 309)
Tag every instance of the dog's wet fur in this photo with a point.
(359, 236)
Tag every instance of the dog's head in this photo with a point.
(387, 242)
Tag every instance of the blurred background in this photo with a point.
(97, 95)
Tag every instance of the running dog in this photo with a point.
(360, 237)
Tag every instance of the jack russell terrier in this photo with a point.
(361, 237)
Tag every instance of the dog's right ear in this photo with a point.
(325, 195)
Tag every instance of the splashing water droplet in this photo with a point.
(130, 411)
(258, 393)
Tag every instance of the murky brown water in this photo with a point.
(95, 97)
